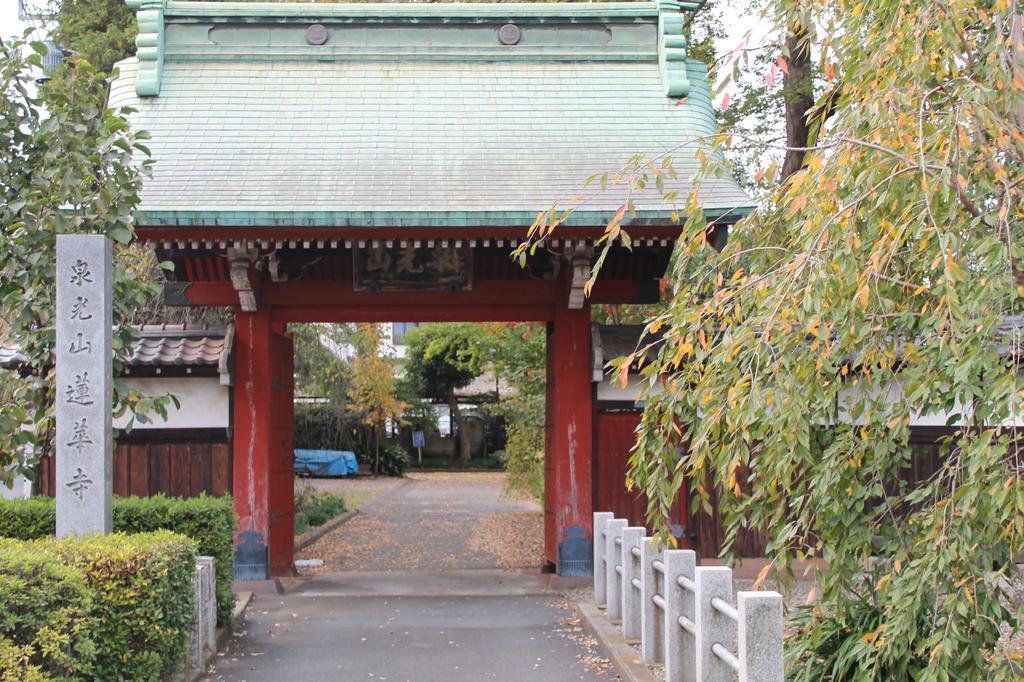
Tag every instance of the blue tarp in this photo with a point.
(326, 462)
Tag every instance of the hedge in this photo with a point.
(45, 606)
(133, 618)
(209, 521)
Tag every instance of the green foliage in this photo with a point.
(45, 612)
(839, 645)
(66, 166)
(319, 372)
(524, 458)
(314, 508)
(105, 607)
(208, 521)
(879, 281)
(394, 460)
(13, 665)
(99, 31)
(142, 599)
(440, 358)
(322, 426)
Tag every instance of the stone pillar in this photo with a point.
(84, 391)
(569, 475)
(713, 627)
(632, 538)
(601, 520)
(760, 637)
(652, 639)
(680, 645)
(613, 578)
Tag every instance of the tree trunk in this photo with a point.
(460, 428)
(798, 94)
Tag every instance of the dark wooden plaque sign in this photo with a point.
(408, 268)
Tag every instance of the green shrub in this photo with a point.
(142, 599)
(29, 519)
(314, 509)
(393, 460)
(45, 615)
(14, 665)
(327, 427)
(210, 521)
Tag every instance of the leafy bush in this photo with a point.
(13, 666)
(326, 427)
(103, 607)
(836, 646)
(142, 604)
(313, 508)
(45, 611)
(524, 459)
(210, 521)
(394, 460)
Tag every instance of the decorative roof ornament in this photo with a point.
(672, 48)
(150, 44)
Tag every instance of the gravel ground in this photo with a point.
(436, 521)
(356, 491)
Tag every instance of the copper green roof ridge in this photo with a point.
(172, 29)
(402, 10)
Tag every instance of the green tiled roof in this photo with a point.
(408, 114)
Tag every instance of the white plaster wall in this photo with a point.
(204, 402)
(610, 388)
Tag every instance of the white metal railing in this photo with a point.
(683, 614)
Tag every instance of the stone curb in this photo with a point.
(238, 613)
(622, 655)
(314, 534)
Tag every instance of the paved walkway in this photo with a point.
(413, 593)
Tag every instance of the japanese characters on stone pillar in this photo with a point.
(84, 384)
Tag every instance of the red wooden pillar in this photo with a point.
(262, 438)
(569, 441)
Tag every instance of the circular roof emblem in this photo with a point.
(316, 34)
(509, 34)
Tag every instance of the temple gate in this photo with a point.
(378, 162)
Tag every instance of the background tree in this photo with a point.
(440, 359)
(68, 170)
(100, 31)
(371, 391)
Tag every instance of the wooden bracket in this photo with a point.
(241, 260)
(579, 259)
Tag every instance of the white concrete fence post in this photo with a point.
(760, 636)
(601, 520)
(632, 538)
(680, 642)
(683, 614)
(713, 626)
(613, 555)
(652, 639)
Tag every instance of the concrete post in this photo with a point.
(601, 519)
(760, 636)
(712, 626)
(680, 645)
(208, 600)
(632, 537)
(652, 640)
(613, 592)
